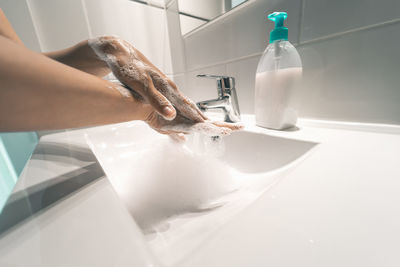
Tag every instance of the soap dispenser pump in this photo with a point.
(278, 74)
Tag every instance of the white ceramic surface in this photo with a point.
(59, 24)
(174, 194)
(338, 208)
(336, 205)
(142, 25)
(63, 212)
(325, 17)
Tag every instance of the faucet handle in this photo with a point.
(224, 83)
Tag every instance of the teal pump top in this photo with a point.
(279, 32)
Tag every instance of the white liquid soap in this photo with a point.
(278, 74)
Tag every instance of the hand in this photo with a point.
(172, 113)
(134, 70)
(181, 125)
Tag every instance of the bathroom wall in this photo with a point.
(62, 23)
(145, 26)
(18, 13)
(47, 25)
(349, 49)
(58, 23)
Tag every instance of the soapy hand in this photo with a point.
(134, 70)
(178, 127)
(174, 114)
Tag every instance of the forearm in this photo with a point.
(37, 93)
(6, 29)
(81, 57)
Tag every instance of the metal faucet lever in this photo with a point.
(227, 99)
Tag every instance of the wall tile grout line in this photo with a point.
(258, 54)
(169, 3)
(34, 23)
(85, 13)
(299, 43)
(296, 45)
(221, 17)
(303, 4)
(339, 34)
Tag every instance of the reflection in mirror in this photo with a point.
(194, 13)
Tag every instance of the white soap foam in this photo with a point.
(172, 179)
(207, 128)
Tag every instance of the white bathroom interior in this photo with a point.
(323, 192)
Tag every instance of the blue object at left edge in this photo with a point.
(15, 151)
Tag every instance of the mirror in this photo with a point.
(195, 13)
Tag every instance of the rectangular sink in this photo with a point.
(180, 194)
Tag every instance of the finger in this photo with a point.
(168, 130)
(210, 129)
(199, 111)
(178, 137)
(187, 107)
(232, 126)
(206, 128)
(160, 102)
(189, 110)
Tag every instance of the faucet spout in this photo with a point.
(213, 103)
(227, 98)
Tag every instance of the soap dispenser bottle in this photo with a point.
(278, 73)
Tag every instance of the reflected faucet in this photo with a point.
(227, 99)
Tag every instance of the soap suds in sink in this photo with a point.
(173, 179)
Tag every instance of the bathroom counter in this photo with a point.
(64, 212)
(338, 207)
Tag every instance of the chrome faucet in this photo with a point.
(227, 99)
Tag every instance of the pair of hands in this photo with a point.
(172, 113)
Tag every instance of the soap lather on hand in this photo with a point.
(173, 113)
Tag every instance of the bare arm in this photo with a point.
(37, 93)
(81, 57)
(6, 29)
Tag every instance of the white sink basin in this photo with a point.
(250, 152)
(174, 192)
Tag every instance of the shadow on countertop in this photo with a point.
(24, 204)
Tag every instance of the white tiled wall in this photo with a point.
(350, 53)
(142, 25)
(47, 25)
(176, 44)
(325, 17)
(353, 76)
(59, 23)
(243, 33)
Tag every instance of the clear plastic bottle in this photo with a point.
(278, 73)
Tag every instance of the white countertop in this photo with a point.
(339, 207)
(64, 212)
